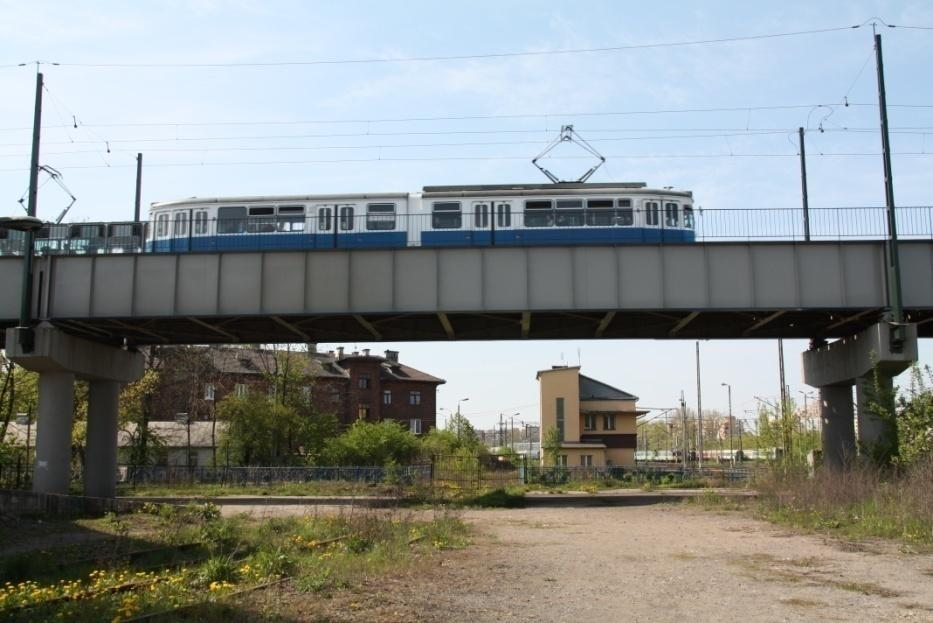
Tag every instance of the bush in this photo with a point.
(372, 443)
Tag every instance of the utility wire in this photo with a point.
(457, 57)
(621, 113)
(484, 158)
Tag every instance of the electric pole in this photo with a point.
(803, 186)
(785, 432)
(25, 309)
(893, 280)
(683, 410)
(139, 186)
(699, 412)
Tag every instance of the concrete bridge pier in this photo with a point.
(59, 359)
(835, 367)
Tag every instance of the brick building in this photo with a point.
(352, 386)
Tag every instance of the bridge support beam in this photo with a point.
(869, 361)
(60, 358)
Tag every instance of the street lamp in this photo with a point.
(731, 425)
(458, 417)
(29, 225)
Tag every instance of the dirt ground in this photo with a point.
(657, 563)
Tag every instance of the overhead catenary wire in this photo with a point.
(476, 158)
(451, 57)
(474, 117)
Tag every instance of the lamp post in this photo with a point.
(731, 425)
(458, 416)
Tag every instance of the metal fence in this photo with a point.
(243, 476)
(469, 229)
(447, 474)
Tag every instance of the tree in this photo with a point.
(552, 445)
(371, 444)
(915, 417)
(135, 414)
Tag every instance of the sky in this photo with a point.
(255, 97)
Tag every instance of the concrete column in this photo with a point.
(872, 430)
(100, 468)
(838, 426)
(53, 432)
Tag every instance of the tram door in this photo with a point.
(491, 222)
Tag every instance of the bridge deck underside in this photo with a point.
(487, 326)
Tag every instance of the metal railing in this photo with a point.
(468, 229)
(243, 476)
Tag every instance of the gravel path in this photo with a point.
(658, 563)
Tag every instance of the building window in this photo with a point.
(609, 422)
(363, 382)
(387, 397)
(306, 393)
(362, 412)
(209, 391)
(589, 422)
(562, 460)
(239, 390)
(414, 398)
(559, 408)
(335, 397)
(414, 426)
(586, 460)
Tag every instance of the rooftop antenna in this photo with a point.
(567, 135)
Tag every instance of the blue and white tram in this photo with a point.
(507, 215)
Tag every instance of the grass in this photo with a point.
(858, 504)
(195, 562)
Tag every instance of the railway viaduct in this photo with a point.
(94, 311)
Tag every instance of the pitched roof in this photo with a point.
(591, 389)
(231, 360)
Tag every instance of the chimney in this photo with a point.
(392, 355)
(312, 348)
(340, 352)
(330, 353)
(366, 352)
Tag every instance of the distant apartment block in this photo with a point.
(595, 421)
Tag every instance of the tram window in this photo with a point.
(261, 219)
(671, 217)
(688, 217)
(480, 215)
(539, 214)
(124, 230)
(162, 225)
(86, 231)
(625, 217)
(346, 218)
(446, 215)
(323, 219)
(200, 222)
(58, 231)
(652, 213)
(380, 216)
(503, 215)
(291, 218)
(569, 213)
(599, 212)
(231, 220)
(180, 227)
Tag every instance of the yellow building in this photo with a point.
(595, 421)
